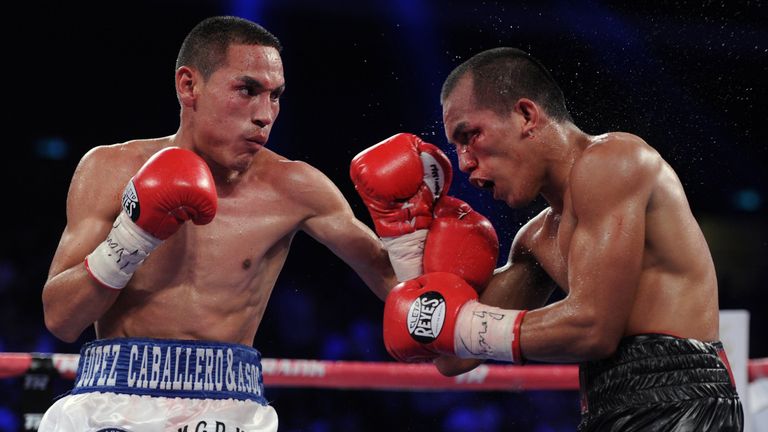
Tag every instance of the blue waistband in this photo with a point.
(170, 368)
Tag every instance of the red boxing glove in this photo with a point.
(173, 186)
(438, 313)
(461, 241)
(399, 180)
(420, 316)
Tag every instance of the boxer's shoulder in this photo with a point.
(295, 180)
(613, 167)
(616, 150)
(126, 156)
(296, 176)
(103, 170)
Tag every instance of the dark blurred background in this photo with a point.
(689, 77)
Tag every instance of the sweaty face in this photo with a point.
(489, 147)
(238, 104)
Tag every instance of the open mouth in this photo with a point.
(483, 184)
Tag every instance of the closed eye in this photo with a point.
(465, 139)
(275, 95)
(463, 135)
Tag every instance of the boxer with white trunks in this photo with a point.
(176, 305)
(134, 384)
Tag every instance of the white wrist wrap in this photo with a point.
(485, 332)
(406, 253)
(113, 262)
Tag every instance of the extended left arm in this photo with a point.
(334, 224)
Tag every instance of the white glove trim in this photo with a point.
(114, 260)
(406, 253)
(486, 332)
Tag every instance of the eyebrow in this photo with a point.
(252, 82)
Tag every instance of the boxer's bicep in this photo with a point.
(332, 223)
(610, 194)
(604, 270)
(93, 201)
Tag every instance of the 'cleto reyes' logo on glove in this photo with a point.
(434, 176)
(131, 201)
(426, 316)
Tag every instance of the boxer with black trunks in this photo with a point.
(176, 305)
(640, 313)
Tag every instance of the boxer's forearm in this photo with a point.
(355, 243)
(567, 332)
(375, 270)
(72, 301)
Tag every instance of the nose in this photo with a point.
(264, 111)
(467, 161)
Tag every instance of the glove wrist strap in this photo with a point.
(487, 332)
(406, 253)
(115, 260)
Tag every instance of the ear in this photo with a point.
(530, 114)
(186, 85)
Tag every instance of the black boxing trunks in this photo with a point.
(660, 383)
(132, 384)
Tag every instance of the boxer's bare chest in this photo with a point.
(252, 228)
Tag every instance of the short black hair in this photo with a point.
(501, 76)
(205, 47)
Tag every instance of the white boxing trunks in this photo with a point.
(149, 385)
